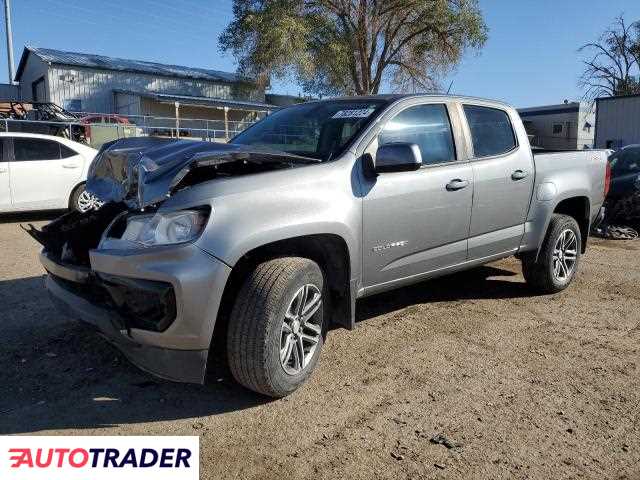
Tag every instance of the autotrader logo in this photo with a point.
(70, 458)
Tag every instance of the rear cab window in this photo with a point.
(491, 131)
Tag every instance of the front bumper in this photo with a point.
(179, 352)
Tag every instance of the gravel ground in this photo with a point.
(518, 386)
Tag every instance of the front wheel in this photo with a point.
(277, 326)
(558, 259)
(83, 201)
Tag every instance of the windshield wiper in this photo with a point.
(290, 156)
(258, 155)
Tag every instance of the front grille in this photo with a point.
(143, 304)
(92, 292)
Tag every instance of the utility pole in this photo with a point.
(7, 22)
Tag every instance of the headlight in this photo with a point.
(141, 231)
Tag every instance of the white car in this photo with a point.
(43, 172)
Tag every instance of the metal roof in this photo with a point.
(618, 97)
(204, 101)
(102, 62)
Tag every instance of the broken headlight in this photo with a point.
(141, 231)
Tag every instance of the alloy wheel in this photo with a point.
(301, 330)
(565, 254)
(87, 201)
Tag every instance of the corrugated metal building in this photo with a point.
(567, 126)
(9, 92)
(618, 121)
(96, 83)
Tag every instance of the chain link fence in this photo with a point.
(101, 128)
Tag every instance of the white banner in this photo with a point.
(98, 458)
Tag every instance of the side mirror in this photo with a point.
(398, 157)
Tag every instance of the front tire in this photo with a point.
(558, 259)
(277, 326)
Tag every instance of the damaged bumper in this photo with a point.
(157, 306)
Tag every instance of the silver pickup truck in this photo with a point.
(255, 248)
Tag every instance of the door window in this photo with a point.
(29, 149)
(427, 126)
(491, 131)
(66, 152)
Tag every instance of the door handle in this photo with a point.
(519, 175)
(69, 166)
(457, 184)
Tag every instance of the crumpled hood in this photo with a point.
(143, 171)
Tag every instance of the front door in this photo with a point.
(5, 191)
(43, 173)
(418, 221)
(503, 175)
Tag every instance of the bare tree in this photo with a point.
(612, 62)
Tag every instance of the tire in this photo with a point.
(552, 272)
(257, 335)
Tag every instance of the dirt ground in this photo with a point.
(526, 386)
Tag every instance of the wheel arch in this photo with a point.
(329, 251)
(73, 192)
(579, 208)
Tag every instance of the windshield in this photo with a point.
(318, 129)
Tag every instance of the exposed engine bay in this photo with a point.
(137, 174)
(70, 237)
(144, 171)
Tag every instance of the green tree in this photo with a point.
(353, 46)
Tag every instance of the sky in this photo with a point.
(530, 58)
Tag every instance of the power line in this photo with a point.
(139, 13)
(86, 21)
(190, 12)
(114, 18)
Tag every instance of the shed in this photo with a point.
(86, 82)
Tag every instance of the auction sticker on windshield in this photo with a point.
(359, 113)
(99, 458)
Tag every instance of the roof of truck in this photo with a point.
(401, 96)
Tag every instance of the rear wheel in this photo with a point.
(277, 326)
(558, 259)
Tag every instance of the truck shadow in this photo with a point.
(476, 284)
(55, 374)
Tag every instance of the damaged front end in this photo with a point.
(131, 269)
(133, 176)
(68, 241)
(144, 171)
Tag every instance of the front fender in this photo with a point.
(247, 215)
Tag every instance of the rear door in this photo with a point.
(503, 175)
(43, 173)
(5, 190)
